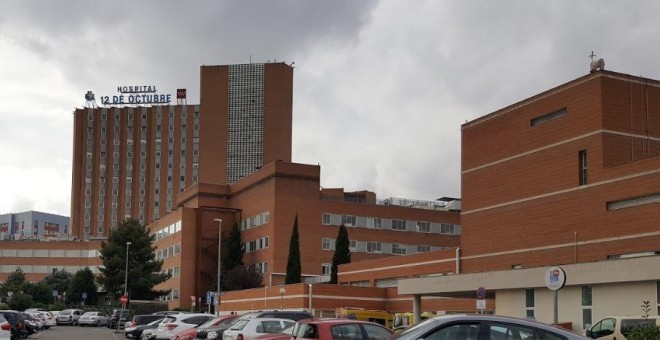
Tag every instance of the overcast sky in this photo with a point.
(381, 88)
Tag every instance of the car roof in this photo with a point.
(333, 321)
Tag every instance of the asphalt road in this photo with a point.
(77, 332)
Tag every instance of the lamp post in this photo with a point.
(217, 293)
(128, 244)
(282, 291)
(125, 297)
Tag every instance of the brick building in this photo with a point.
(132, 161)
(569, 178)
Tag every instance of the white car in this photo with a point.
(69, 316)
(93, 319)
(5, 329)
(175, 323)
(48, 317)
(248, 329)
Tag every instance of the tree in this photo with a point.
(16, 278)
(293, 270)
(58, 280)
(234, 250)
(14, 283)
(41, 292)
(242, 277)
(20, 301)
(342, 252)
(144, 272)
(82, 283)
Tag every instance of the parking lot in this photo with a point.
(77, 332)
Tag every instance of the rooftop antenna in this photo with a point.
(250, 58)
(596, 65)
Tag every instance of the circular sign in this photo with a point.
(123, 299)
(481, 293)
(555, 278)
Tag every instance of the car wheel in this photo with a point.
(98, 323)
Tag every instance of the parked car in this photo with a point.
(328, 329)
(482, 326)
(217, 333)
(284, 334)
(150, 332)
(119, 315)
(141, 322)
(191, 333)
(294, 315)
(16, 322)
(69, 317)
(48, 317)
(617, 327)
(175, 323)
(5, 329)
(93, 319)
(248, 329)
(32, 324)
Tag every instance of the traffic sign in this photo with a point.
(123, 299)
(481, 293)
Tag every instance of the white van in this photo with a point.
(616, 327)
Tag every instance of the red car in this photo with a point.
(191, 333)
(329, 329)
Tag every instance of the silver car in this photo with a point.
(93, 319)
(485, 327)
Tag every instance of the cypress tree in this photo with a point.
(293, 271)
(342, 252)
(233, 249)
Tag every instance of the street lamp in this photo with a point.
(128, 244)
(219, 263)
(282, 291)
(125, 297)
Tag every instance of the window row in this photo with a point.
(257, 244)
(4, 253)
(169, 230)
(391, 224)
(255, 221)
(164, 253)
(173, 272)
(379, 247)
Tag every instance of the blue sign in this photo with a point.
(481, 293)
(209, 297)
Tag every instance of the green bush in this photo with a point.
(4, 306)
(56, 306)
(20, 301)
(644, 333)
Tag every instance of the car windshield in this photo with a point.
(65, 312)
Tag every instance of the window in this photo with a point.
(326, 244)
(424, 227)
(398, 249)
(423, 249)
(398, 225)
(465, 331)
(658, 295)
(529, 302)
(348, 220)
(377, 223)
(373, 247)
(352, 245)
(326, 269)
(548, 117)
(586, 306)
(509, 331)
(633, 202)
(325, 219)
(582, 159)
(604, 328)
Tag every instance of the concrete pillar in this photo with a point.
(417, 309)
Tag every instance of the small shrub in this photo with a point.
(644, 333)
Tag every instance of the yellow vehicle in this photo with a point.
(377, 316)
(407, 319)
